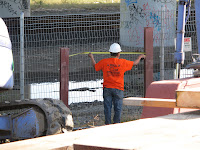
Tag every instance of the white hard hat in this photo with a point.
(115, 48)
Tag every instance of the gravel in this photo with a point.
(90, 114)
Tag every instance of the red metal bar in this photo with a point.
(64, 75)
(148, 49)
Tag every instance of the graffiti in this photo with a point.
(25, 4)
(13, 6)
(8, 6)
(168, 36)
(134, 20)
(135, 35)
(164, 1)
(22, 4)
(129, 24)
(147, 14)
(146, 7)
(168, 17)
(129, 2)
(156, 20)
(136, 11)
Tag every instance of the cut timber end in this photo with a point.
(188, 98)
(167, 89)
(151, 102)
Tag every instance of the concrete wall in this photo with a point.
(13, 8)
(137, 14)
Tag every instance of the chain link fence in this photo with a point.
(45, 35)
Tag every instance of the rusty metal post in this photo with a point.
(148, 49)
(64, 75)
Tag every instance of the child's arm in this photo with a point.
(138, 59)
(92, 59)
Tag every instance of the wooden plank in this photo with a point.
(175, 131)
(188, 98)
(167, 132)
(58, 142)
(88, 147)
(152, 102)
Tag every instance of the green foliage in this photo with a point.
(78, 4)
(51, 2)
(38, 2)
(70, 1)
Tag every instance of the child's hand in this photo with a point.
(142, 56)
(90, 55)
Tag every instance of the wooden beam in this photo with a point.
(148, 63)
(152, 102)
(188, 98)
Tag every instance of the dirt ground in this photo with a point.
(83, 119)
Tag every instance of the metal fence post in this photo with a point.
(22, 56)
(162, 47)
(148, 48)
(64, 75)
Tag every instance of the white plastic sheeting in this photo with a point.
(6, 58)
(87, 91)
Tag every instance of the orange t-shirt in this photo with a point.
(113, 71)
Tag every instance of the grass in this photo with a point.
(68, 4)
(78, 4)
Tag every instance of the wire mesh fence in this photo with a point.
(45, 35)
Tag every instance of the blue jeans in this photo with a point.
(114, 96)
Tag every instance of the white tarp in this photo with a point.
(6, 58)
(86, 91)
